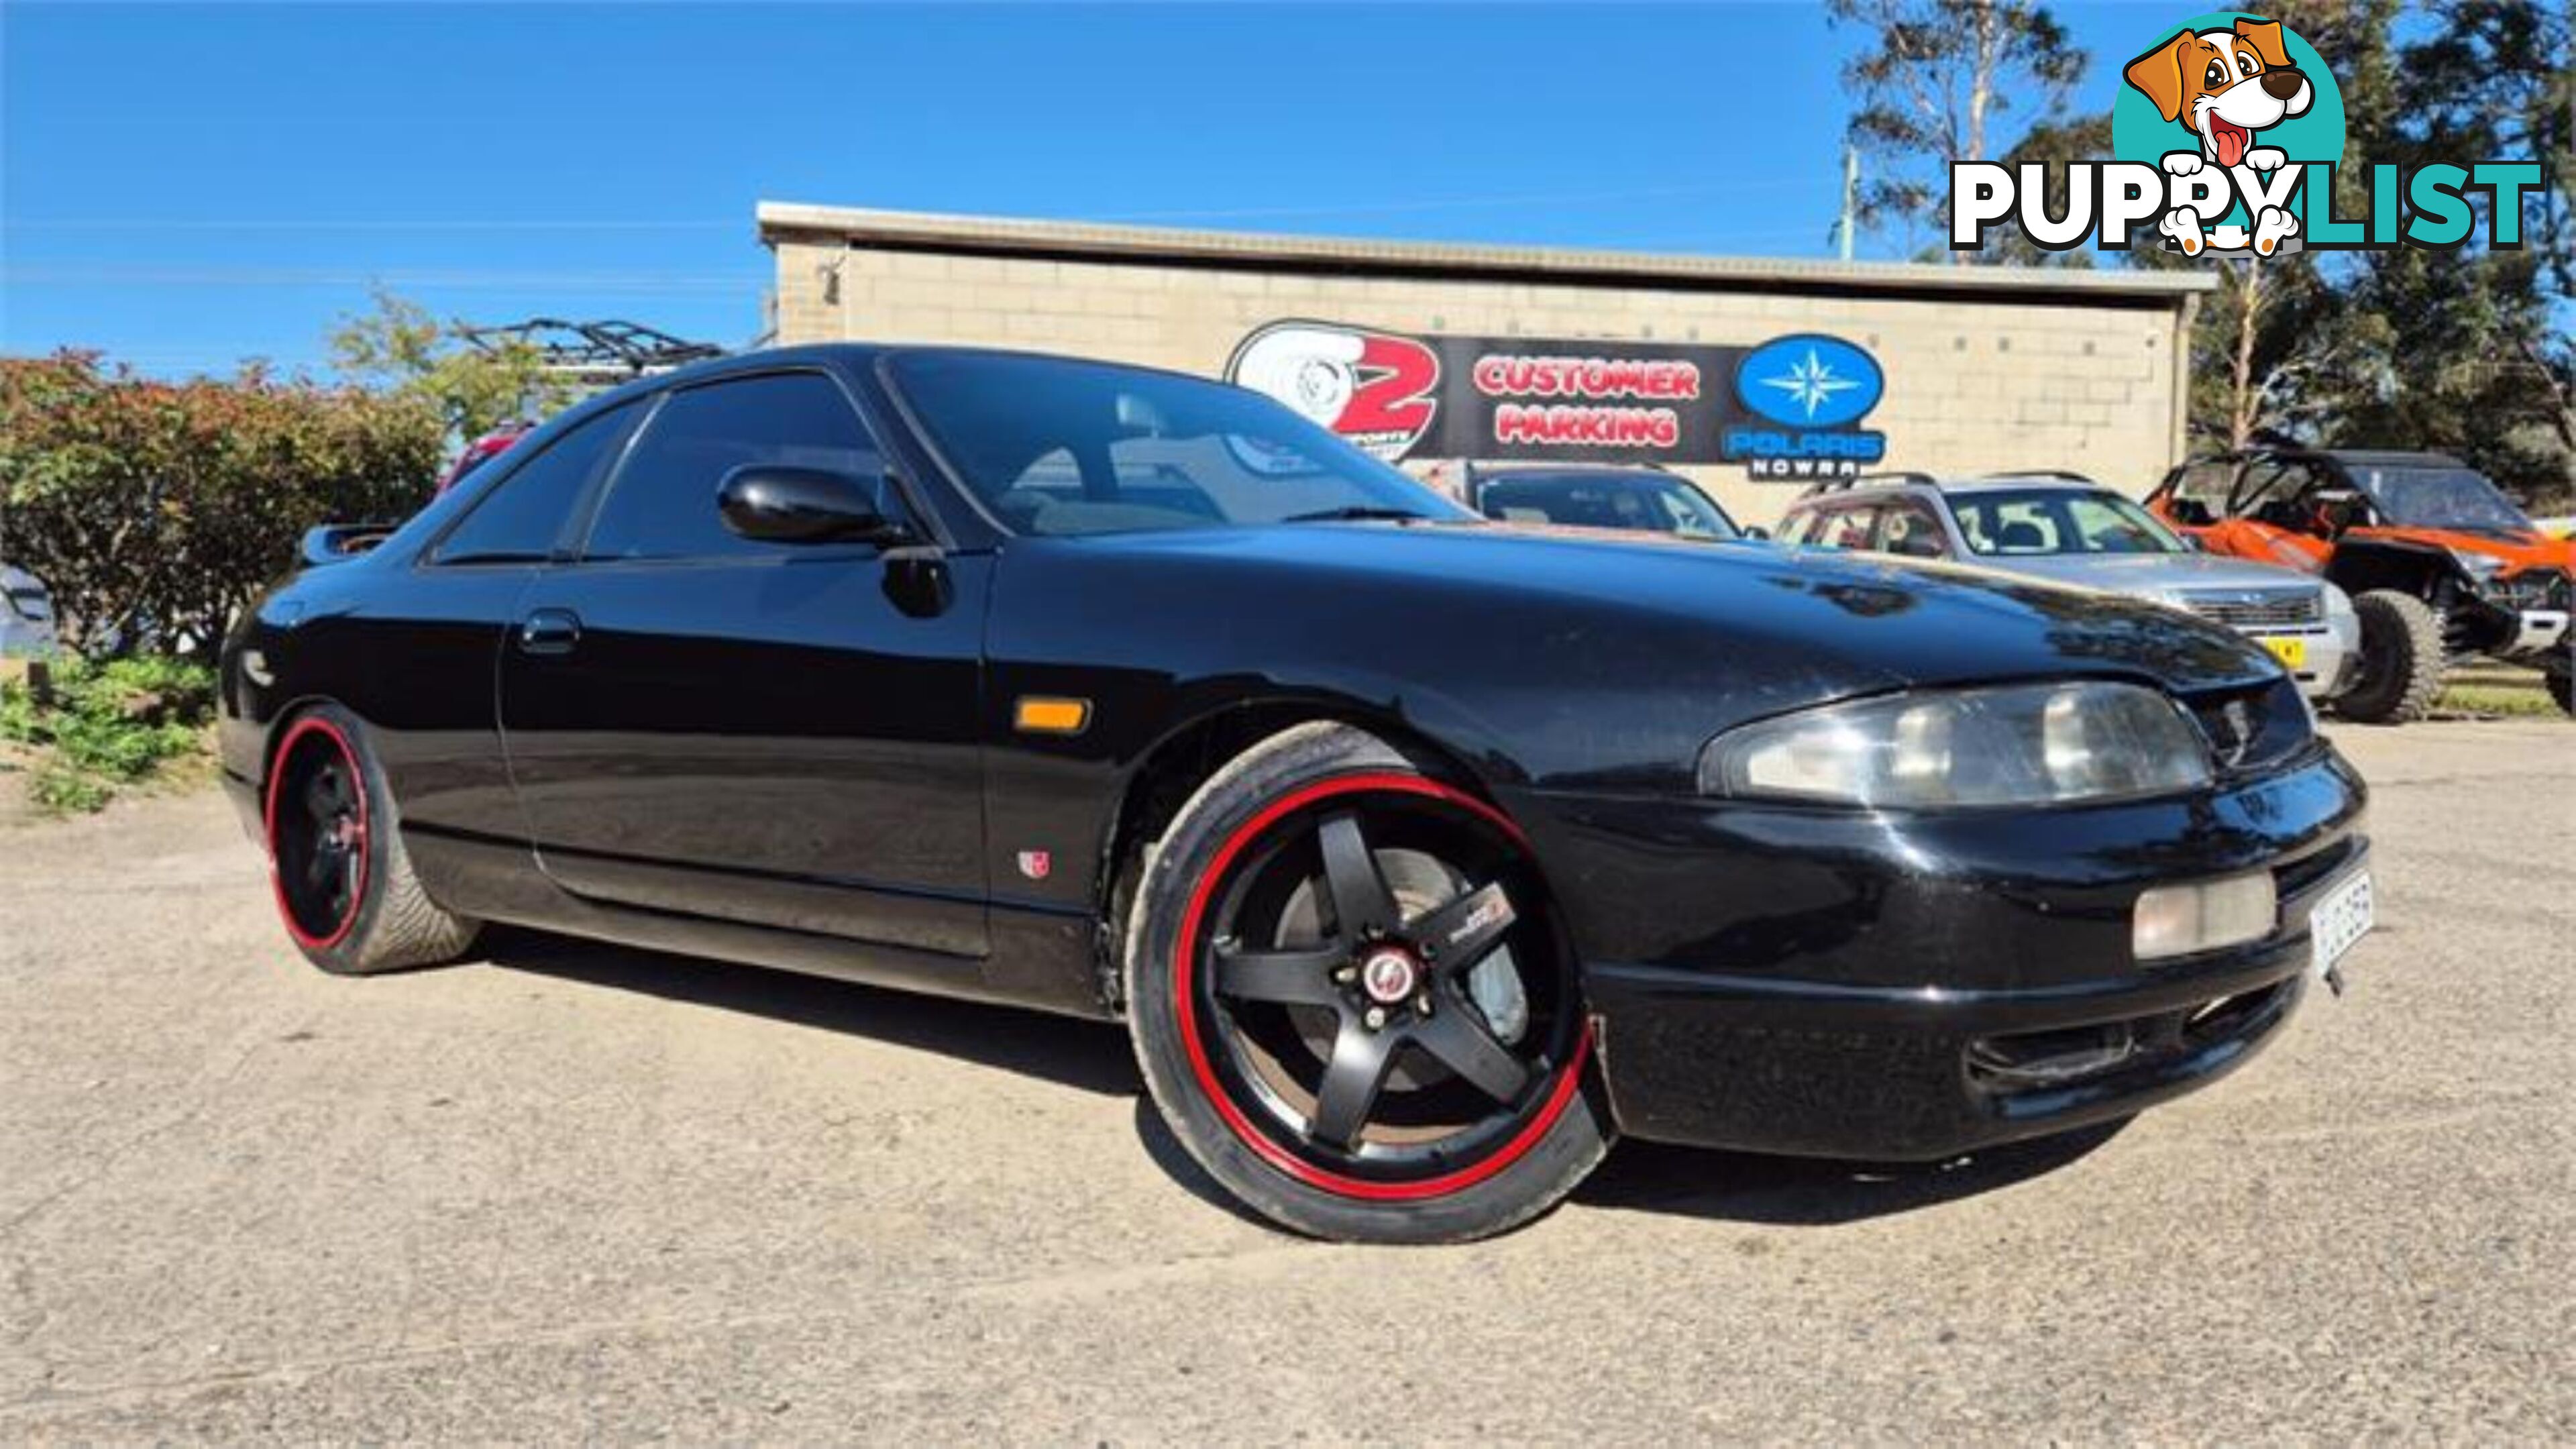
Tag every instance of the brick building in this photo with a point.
(1549, 353)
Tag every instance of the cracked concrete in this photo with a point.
(574, 1192)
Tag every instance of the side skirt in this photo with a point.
(1039, 959)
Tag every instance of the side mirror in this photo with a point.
(776, 503)
(1756, 531)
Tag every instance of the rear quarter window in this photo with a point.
(522, 519)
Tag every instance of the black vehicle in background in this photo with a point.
(1597, 495)
(1420, 856)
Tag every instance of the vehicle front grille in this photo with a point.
(2257, 608)
(2531, 589)
(2249, 729)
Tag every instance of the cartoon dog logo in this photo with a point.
(2226, 87)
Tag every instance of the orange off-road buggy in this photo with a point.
(2440, 565)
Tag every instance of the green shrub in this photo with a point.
(153, 511)
(100, 726)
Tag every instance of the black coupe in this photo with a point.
(1421, 856)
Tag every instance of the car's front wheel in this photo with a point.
(2401, 660)
(344, 884)
(1354, 1002)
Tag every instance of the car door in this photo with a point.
(416, 649)
(774, 733)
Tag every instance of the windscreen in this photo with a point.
(1055, 447)
(2439, 498)
(1617, 500)
(2058, 521)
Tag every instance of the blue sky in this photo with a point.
(188, 185)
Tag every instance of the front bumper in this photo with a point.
(2540, 635)
(2327, 653)
(1854, 985)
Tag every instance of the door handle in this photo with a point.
(549, 631)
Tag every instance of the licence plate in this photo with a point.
(2293, 653)
(2338, 921)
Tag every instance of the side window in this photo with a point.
(2100, 527)
(663, 502)
(2024, 526)
(522, 518)
(2274, 490)
(1910, 529)
(1849, 527)
(2203, 486)
(1793, 529)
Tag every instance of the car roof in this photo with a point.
(2366, 457)
(1892, 485)
(1558, 472)
(865, 354)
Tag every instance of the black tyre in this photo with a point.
(1354, 1001)
(2401, 660)
(2560, 680)
(344, 885)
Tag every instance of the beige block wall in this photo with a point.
(1972, 384)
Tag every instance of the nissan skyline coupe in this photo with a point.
(1420, 857)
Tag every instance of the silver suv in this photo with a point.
(26, 615)
(2069, 529)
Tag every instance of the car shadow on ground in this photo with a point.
(1088, 1056)
(1094, 1057)
(1742, 1187)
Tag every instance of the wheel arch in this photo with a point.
(280, 724)
(1173, 768)
(2361, 565)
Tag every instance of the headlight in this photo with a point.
(2480, 566)
(2029, 744)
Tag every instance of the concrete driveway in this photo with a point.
(582, 1192)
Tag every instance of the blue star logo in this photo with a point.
(1811, 383)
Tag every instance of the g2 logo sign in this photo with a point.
(1376, 389)
(1815, 388)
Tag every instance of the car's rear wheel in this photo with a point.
(344, 884)
(2401, 659)
(1354, 1002)
(2562, 687)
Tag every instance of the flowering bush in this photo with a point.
(153, 511)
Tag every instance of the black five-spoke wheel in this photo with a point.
(317, 830)
(344, 882)
(1375, 999)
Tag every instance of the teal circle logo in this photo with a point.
(2227, 86)
(1809, 380)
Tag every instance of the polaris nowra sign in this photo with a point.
(1814, 389)
(1785, 409)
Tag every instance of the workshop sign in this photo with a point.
(1788, 408)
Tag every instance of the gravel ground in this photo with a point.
(571, 1191)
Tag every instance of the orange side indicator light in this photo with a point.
(1041, 714)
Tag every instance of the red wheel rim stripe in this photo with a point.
(310, 725)
(1570, 1077)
